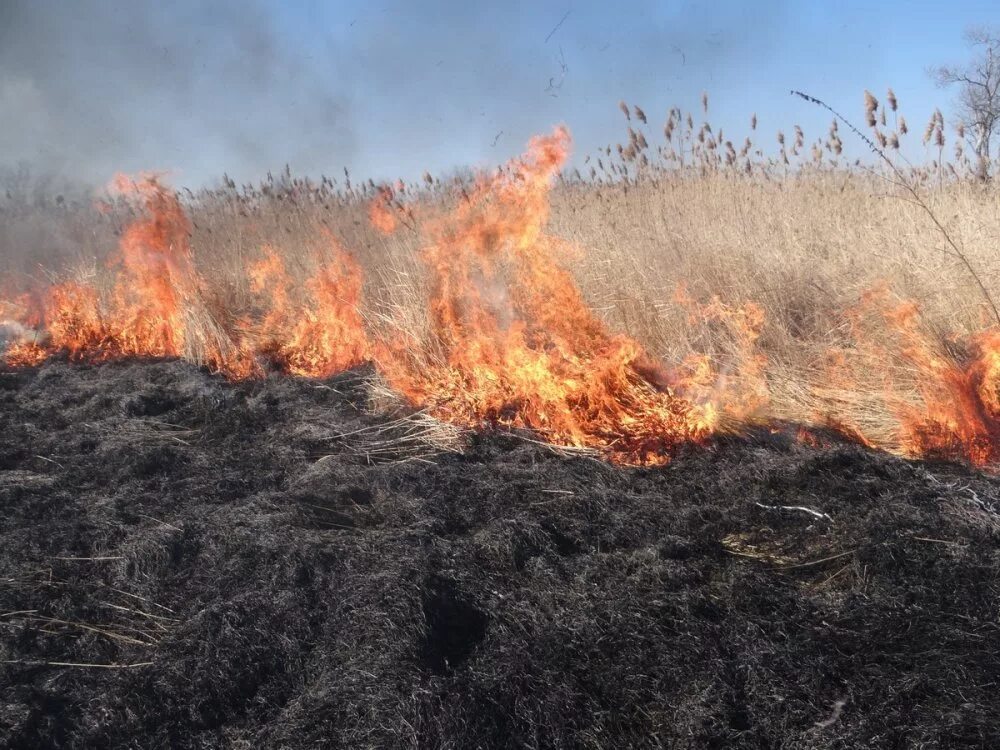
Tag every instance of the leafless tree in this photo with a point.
(979, 92)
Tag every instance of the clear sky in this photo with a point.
(391, 88)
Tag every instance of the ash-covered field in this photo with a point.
(188, 563)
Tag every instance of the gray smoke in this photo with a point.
(90, 87)
(387, 88)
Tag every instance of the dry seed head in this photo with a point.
(894, 141)
(640, 114)
(929, 130)
(939, 137)
(960, 130)
(753, 121)
(781, 138)
(704, 101)
(890, 97)
(871, 106)
(903, 130)
(624, 108)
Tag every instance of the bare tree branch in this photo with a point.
(979, 92)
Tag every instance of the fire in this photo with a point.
(156, 306)
(510, 340)
(946, 402)
(739, 390)
(380, 211)
(321, 337)
(145, 313)
(513, 343)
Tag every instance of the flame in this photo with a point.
(959, 416)
(315, 340)
(946, 400)
(380, 211)
(739, 389)
(512, 341)
(145, 313)
(157, 306)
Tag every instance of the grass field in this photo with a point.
(810, 288)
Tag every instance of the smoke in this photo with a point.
(93, 87)
(387, 89)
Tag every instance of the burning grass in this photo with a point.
(680, 290)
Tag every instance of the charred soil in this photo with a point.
(188, 563)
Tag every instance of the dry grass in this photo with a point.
(799, 232)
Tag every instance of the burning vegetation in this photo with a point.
(511, 340)
(513, 343)
(501, 328)
(158, 306)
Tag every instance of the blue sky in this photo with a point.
(392, 88)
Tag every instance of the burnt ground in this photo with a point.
(255, 581)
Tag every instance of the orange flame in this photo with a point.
(739, 390)
(514, 343)
(511, 341)
(156, 307)
(948, 406)
(380, 211)
(144, 315)
(318, 340)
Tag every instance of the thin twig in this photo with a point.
(73, 664)
(556, 27)
(816, 562)
(802, 508)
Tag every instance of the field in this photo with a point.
(692, 447)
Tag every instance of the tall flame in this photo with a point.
(156, 306)
(145, 312)
(513, 342)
